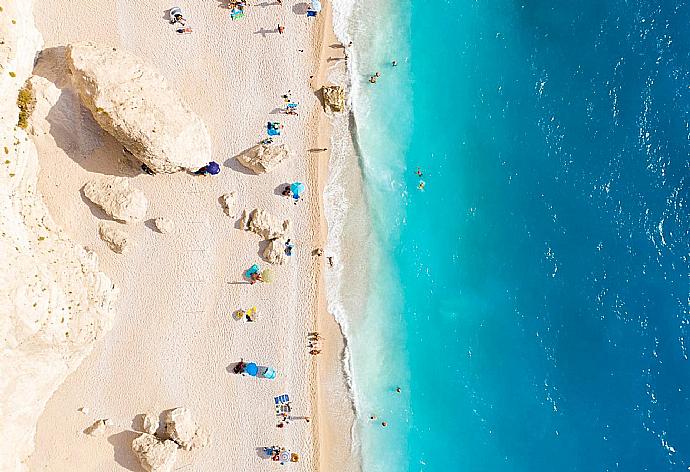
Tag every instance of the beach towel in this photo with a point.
(236, 14)
(273, 132)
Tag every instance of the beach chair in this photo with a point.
(236, 14)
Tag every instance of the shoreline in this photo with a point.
(334, 431)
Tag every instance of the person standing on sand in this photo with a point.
(281, 29)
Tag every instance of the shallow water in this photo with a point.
(532, 301)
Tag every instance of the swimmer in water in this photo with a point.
(421, 185)
(419, 172)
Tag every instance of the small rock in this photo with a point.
(116, 239)
(84, 410)
(164, 225)
(181, 427)
(275, 251)
(97, 429)
(264, 158)
(153, 454)
(227, 201)
(150, 424)
(117, 198)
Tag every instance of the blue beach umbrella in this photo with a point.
(297, 189)
(213, 168)
(251, 369)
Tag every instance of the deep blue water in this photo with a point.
(543, 273)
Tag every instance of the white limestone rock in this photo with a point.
(181, 427)
(275, 251)
(55, 302)
(132, 102)
(227, 201)
(164, 225)
(264, 158)
(150, 424)
(266, 225)
(117, 198)
(153, 454)
(116, 239)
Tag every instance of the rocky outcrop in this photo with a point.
(227, 201)
(264, 224)
(117, 198)
(264, 158)
(182, 428)
(153, 454)
(117, 240)
(54, 302)
(150, 424)
(333, 97)
(164, 225)
(275, 251)
(132, 102)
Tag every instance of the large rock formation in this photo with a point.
(117, 198)
(264, 158)
(264, 224)
(182, 428)
(133, 102)
(275, 251)
(333, 97)
(227, 201)
(153, 454)
(54, 302)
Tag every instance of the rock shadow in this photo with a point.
(262, 247)
(300, 8)
(235, 165)
(72, 126)
(230, 368)
(318, 93)
(122, 449)
(151, 224)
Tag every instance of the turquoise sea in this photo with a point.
(532, 301)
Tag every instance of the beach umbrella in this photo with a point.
(316, 5)
(269, 374)
(252, 270)
(213, 168)
(251, 369)
(297, 188)
(284, 456)
(267, 276)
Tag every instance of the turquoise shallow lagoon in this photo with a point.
(532, 302)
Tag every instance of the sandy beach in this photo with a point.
(174, 341)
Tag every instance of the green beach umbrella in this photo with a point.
(267, 276)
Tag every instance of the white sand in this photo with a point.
(174, 338)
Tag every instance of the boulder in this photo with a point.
(153, 454)
(117, 198)
(266, 225)
(131, 101)
(333, 97)
(116, 239)
(275, 251)
(227, 201)
(164, 225)
(264, 158)
(98, 428)
(150, 424)
(181, 427)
